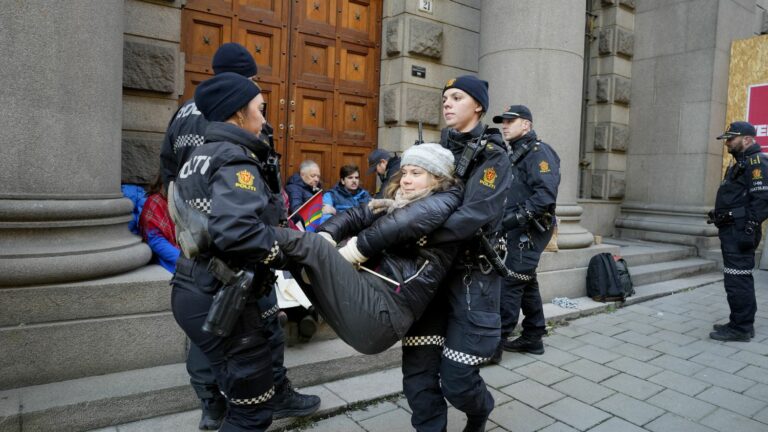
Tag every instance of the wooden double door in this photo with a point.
(318, 67)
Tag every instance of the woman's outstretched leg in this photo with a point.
(348, 300)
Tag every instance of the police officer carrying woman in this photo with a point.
(226, 180)
(460, 330)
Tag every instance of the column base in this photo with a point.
(570, 234)
(56, 241)
(667, 224)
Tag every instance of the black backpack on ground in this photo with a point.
(608, 278)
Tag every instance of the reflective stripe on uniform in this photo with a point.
(252, 401)
(463, 358)
(423, 340)
(522, 277)
(737, 272)
(269, 312)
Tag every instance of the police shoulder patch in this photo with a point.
(489, 178)
(757, 174)
(245, 180)
(544, 167)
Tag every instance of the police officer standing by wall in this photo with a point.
(529, 222)
(460, 330)
(185, 133)
(741, 207)
(385, 164)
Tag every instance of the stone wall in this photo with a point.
(152, 82)
(444, 43)
(679, 93)
(611, 39)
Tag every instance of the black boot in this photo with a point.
(525, 344)
(213, 413)
(307, 327)
(496, 358)
(475, 424)
(718, 327)
(727, 334)
(290, 403)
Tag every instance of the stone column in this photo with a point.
(679, 98)
(532, 53)
(62, 216)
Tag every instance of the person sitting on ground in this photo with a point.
(386, 164)
(346, 194)
(369, 310)
(138, 196)
(157, 228)
(302, 185)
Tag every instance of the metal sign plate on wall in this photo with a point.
(426, 5)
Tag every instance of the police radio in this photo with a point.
(471, 151)
(272, 172)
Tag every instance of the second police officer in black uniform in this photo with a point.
(228, 180)
(741, 207)
(529, 222)
(460, 330)
(186, 132)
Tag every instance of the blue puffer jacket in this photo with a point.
(341, 199)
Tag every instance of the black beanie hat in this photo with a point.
(220, 97)
(473, 86)
(233, 57)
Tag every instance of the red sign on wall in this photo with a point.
(757, 112)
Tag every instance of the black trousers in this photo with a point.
(444, 349)
(354, 303)
(241, 363)
(200, 374)
(738, 280)
(521, 291)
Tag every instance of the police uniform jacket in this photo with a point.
(744, 190)
(534, 179)
(485, 189)
(392, 242)
(186, 131)
(223, 179)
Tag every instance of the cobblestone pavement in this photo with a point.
(649, 366)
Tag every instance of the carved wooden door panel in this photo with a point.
(259, 25)
(334, 85)
(322, 94)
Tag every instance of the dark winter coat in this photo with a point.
(392, 242)
(223, 179)
(298, 192)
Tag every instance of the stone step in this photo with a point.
(657, 272)
(144, 290)
(572, 282)
(49, 352)
(99, 401)
(638, 253)
(587, 306)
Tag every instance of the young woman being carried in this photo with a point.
(372, 307)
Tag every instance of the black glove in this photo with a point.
(746, 238)
(711, 216)
(515, 219)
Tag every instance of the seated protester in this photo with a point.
(346, 194)
(369, 310)
(138, 196)
(303, 184)
(157, 228)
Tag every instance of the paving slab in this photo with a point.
(630, 409)
(682, 405)
(583, 390)
(742, 404)
(727, 421)
(575, 413)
